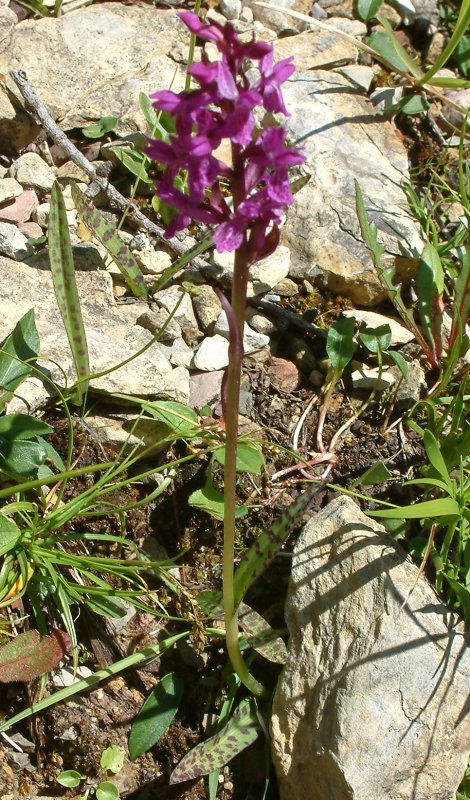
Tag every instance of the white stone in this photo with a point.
(259, 322)
(370, 319)
(367, 378)
(32, 172)
(212, 354)
(264, 275)
(9, 189)
(13, 243)
(252, 340)
(41, 214)
(181, 354)
(372, 703)
(153, 262)
(359, 75)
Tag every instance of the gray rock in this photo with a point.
(13, 243)
(153, 262)
(373, 700)
(157, 321)
(370, 319)
(212, 354)
(409, 390)
(344, 140)
(259, 322)
(111, 338)
(276, 20)
(317, 49)
(169, 298)
(207, 307)
(32, 171)
(231, 9)
(264, 275)
(181, 354)
(93, 62)
(252, 340)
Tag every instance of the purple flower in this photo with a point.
(222, 108)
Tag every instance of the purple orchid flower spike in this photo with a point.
(257, 183)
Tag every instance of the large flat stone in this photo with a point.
(373, 701)
(344, 139)
(111, 336)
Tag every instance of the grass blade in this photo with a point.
(65, 287)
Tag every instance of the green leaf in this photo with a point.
(65, 286)
(376, 339)
(375, 474)
(22, 457)
(109, 237)
(400, 361)
(249, 457)
(210, 500)
(22, 426)
(181, 420)
(9, 534)
(434, 455)
(462, 594)
(429, 289)
(19, 347)
(107, 791)
(386, 44)
(28, 656)
(70, 778)
(240, 731)
(428, 509)
(106, 606)
(340, 343)
(134, 161)
(156, 715)
(460, 29)
(367, 9)
(112, 759)
(462, 56)
(413, 104)
(101, 128)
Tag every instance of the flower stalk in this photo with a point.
(222, 108)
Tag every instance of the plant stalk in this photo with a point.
(239, 288)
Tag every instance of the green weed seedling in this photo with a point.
(111, 763)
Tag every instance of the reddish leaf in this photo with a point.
(28, 656)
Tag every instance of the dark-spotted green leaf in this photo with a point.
(156, 714)
(259, 633)
(109, 237)
(377, 473)
(22, 457)
(17, 352)
(28, 656)
(239, 732)
(65, 286)
(255, 560)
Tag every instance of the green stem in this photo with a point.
(239, 288)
